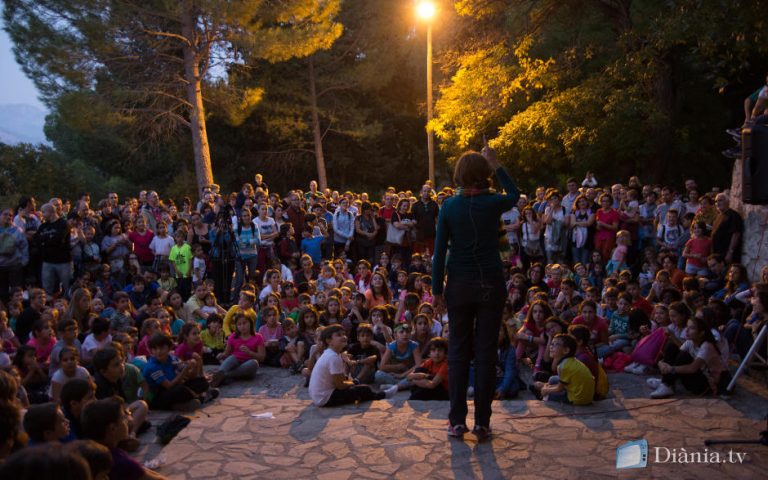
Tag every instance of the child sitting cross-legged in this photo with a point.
(574, 382)
(293, 347)
(110, 371)
(364, 355)
(399, 359)
(245, 349)
(430, 379)
(214, 341)
(329, 384)
(174, 385)
(106, 421)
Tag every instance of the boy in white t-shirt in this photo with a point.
(198, 265)
(161, 245)
(96, 340)
(330, 384)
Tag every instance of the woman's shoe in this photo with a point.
(482, 433)
(457, 431)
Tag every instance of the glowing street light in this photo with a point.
(426, 10)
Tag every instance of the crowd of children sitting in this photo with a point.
(88, 360)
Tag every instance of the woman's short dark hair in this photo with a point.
(97, 455)
(99, 415)
(39, 419)
(42, 461)
(472, 170)
(75, 390)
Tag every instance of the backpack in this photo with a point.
(167, 430)
(7, 244)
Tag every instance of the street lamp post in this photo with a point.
(426, 11)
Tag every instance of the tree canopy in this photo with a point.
(619, 87)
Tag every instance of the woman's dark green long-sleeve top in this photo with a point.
(470, 224)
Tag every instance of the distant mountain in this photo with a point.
(21, 123)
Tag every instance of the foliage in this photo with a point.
(618, 87)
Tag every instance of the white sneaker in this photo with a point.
(653, 383)
(390, 392)
(631, 367)
(663, 391)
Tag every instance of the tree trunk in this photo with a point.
(317, 135)
(203, 170)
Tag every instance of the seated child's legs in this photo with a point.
(229, 363)
(139, 411)
(437, 393)
(561, 397)
(209, 358)
(365, 374)
(248, 369)
(198, 385)
(176, 395)
(383, 378)
(356, 393)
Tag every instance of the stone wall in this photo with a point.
(755, 241)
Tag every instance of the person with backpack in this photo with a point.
(556, 231)
(14, 254)
(343, 227)
(248, 242)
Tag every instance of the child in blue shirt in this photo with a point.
(172, 384)
(310, 245)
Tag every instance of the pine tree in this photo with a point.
(153, 60)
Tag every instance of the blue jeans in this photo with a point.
(580, 255)
(561, 397)
(241, 266)
(54, 274)
(384, 378)
(615, 346)
(474, 313)
(233, 368)
(510, 383)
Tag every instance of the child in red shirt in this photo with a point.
(696, 250)
(430, 379)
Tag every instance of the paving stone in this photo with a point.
(410, 454)
(244, 468)
(403, 439)
(337, 475)
(204, 469)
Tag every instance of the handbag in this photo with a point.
(649, 347)
(395, 236)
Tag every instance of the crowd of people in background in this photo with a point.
(113, 307)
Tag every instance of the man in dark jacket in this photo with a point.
(53, 240)
(425, 213)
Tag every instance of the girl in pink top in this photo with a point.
(697, 249)
(606, 223)
(245, 349)
(43, 341)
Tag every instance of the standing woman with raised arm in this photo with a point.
(475, 291)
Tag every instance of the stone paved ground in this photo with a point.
(401, 439)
